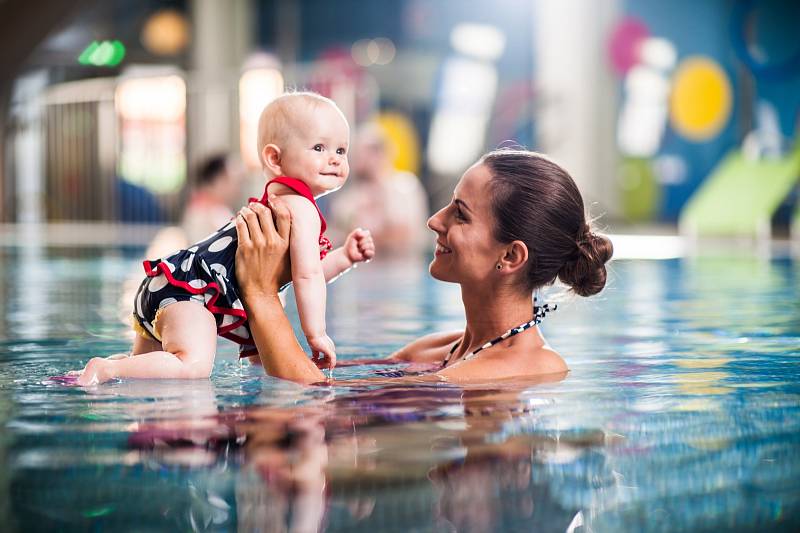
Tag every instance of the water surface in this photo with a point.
(681, 413)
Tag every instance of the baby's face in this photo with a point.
(317, 153)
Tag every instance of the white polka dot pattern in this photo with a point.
(197, 284)
(220, 244)
(157, 283)
(167, 301)
(186, 265)
(139, 297)
(219, 269)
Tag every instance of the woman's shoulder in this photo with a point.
(511, 362)
(428, 349)
(545, 360)
(531, 358)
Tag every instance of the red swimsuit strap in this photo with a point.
(300, 187)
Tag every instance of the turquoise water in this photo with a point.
(681, 413)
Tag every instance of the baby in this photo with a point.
(191, 296)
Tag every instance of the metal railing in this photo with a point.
(65, 147)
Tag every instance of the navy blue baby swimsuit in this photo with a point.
(206, 274)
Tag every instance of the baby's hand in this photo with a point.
(323, 351)
(359, 246)
(97, 370)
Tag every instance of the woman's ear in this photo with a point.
(515, 257)
(271, 156)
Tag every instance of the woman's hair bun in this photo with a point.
(586, 272)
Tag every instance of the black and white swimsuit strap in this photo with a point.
(539, 312)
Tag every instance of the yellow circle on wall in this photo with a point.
(701, 99)
(403, 135)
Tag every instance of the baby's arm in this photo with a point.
(335, 264)
(308, 277)
(357, 247)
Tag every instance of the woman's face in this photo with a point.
(466, 250)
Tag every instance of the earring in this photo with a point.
(499, 266)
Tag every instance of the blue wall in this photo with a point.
(703, 27)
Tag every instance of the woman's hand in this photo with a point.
(261, 261)
(262, 266)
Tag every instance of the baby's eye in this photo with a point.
(318, 148)
(341, 151)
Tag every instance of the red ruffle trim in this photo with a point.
(224, 331)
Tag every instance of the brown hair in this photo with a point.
(537, 202)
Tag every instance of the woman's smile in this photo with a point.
(441, 249)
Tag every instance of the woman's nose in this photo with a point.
(435, 222)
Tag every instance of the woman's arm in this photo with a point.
(431, 348)
(261, 266)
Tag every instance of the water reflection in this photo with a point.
(360, 456)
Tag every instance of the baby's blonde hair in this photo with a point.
(279, 119)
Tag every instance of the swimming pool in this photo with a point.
(681, 413)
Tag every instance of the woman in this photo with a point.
(515, 224)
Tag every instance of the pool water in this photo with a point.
(681, 412)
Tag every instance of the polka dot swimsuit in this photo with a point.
(206, 273)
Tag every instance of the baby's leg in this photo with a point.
(188, 334)
(145, 345)
(140, 345)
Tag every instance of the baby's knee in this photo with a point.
(195, 369)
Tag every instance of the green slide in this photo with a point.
(740, 196)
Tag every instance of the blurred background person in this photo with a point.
(217, 189)
(391, 203)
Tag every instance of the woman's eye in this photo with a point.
(460, 215)
(318, 147)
